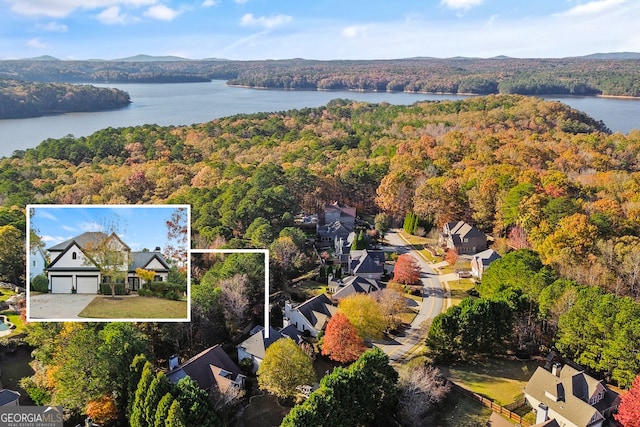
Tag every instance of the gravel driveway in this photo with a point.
(57, 306)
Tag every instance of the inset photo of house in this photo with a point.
(108, 262)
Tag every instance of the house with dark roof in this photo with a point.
(9, 397)
(256, 345)
(481, 261)
(463, 237)
(310, 316)
(72, 268)
(341, 288)
(335, 221)
(366, 263)
(212, 369)
(569, 396)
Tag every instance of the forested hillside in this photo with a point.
(25, 99)
(575, 76)
(538, 175)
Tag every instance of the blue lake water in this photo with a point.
(188, 103)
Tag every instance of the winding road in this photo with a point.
(434, 301)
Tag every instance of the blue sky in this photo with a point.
(138, 226)
(318, 29)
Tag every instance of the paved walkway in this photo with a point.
(57, 306)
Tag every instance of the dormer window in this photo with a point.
(74, 255)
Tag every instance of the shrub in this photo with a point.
(40, 283)
(105, 289)
(168, 290)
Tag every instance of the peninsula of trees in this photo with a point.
(20, 99)
(591, 75)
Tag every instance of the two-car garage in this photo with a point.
(83, 284)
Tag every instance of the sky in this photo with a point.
(318, 29)
(139, 226)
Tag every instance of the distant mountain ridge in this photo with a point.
(151, 58)
(613, 55)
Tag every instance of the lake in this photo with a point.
(188, 103)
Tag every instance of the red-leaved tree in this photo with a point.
(406, 270)
(629, 409)
(341, 340)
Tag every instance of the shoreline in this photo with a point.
(630, 97)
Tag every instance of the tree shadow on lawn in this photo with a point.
(263, 411)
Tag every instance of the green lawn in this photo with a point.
(458, 410)
(135, 308)
(497, 379)
(459, 289)
(263, 411)
(16, 320)
(5, 294)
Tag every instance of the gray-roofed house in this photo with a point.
(310, 316)
(37, 262)
(9, 397)
(72, 270)
(480, 262)
(341, 288)
(366, 263)
(212, 369)
(256, 345)
(335, 222)
(463, 237)
(570, 396)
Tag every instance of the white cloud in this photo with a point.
(36, 43)
(62, 8)
(354, 31)
(241, 1)
(53, 27)
(112, 16)
(52, 240)
(68, 228)
(461, 4)
(210, 3)
(162, 13)
(269, 22)
(91, 226)
(592, 8)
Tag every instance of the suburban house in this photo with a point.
(73, 270)
(342, 248)
(480, 261)
(341, 288)
(366, 263)
(9, 397)
(310, 316)
(335, 221)
(336, 212)
(37, 262)
(465, 238)
(570, 396)
(212, 369)
(256, 345)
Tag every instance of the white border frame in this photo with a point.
(264, 252)
(107, 206)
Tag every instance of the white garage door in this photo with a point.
(87, 284)
(61, 284)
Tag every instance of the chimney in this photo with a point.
(173, 362)
(157, 249)
(555, 369)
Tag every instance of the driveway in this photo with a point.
(57, 306)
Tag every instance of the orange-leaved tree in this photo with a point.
(629, 409)
(406, 270)
(102, 410)
(341, 341)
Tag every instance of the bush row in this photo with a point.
(105, 289)
(168, 290)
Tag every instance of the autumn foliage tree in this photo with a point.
(452, 256)
(629, 409)
(364, 313)
(341, 340)
(102, 410)
(406, 270)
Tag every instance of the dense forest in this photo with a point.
(20, 99)
(574, 76)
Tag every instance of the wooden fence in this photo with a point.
(492, 405)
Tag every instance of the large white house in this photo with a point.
(74, 264)
(569, 396)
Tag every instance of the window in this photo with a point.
(157, 278)
(35, 263)
(74, 255)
